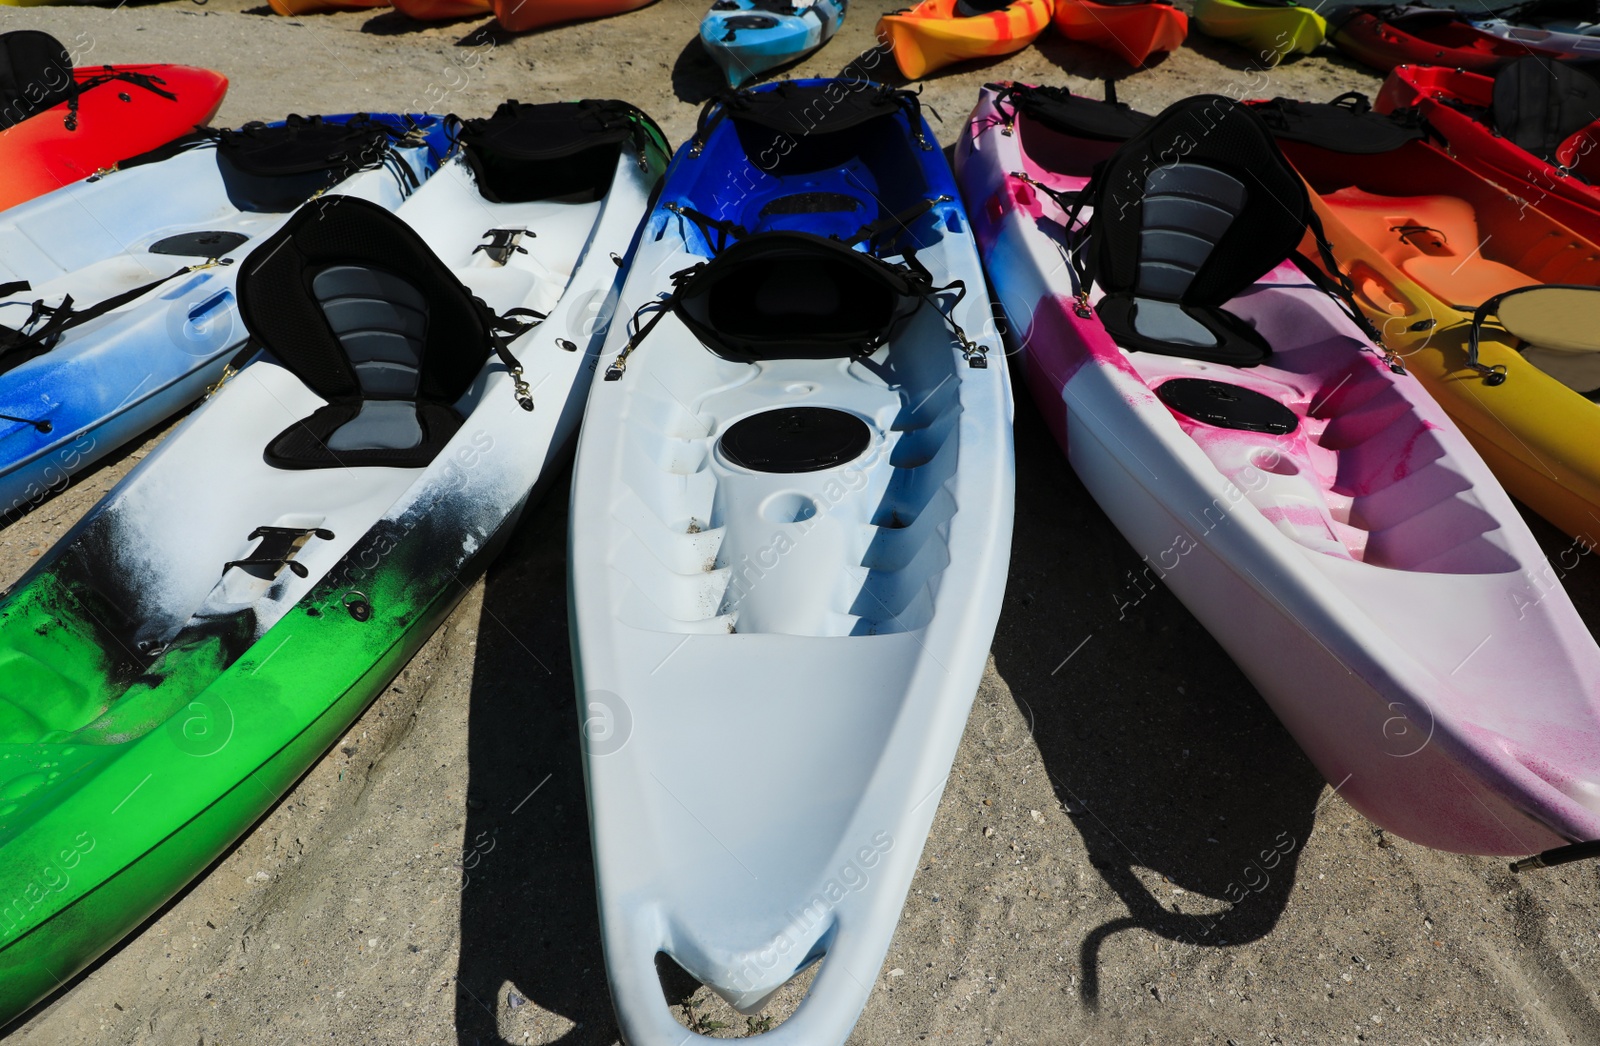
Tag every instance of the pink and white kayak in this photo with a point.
(1310, 504)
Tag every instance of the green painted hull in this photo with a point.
(91, 853)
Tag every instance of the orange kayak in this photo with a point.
(1131, 29)
(520, 15)
(317, 7)
(936, 33)
(439, 10)
(119, 112)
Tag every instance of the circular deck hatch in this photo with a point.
(795, 439)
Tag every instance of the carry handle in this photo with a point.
(825, 1016)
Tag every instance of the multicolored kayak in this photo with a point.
(796, 484)
(936, 33)
(1314, 508)
(1532, 127)
(518, 16)
(1426, 242)
(1272, 30)
(87, 119)
(1133, 30)
(749, 37)
(117, 294)
(1384, 37)
(178, 659)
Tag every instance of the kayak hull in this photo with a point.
(128, 816)
(1437, 93)
(1346, 639)
(40, 154)
(844, 612)
(518, 16)
(1272, 34)
(1132, 32)
(929, 36)
(1428, 37)
(441, 10)
(1535, 432)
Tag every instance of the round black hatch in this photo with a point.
(1227, 406)
(208, 244)
(795, 439)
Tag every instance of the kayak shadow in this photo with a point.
(1086, 60)
(393, 23)
(695, 75)
(530, 929)
(1192, 800)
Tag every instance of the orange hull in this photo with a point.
(1133, 32)
(438, 10)
(317, 7)
(521, 15)
(931, 35)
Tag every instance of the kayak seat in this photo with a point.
(568, 150)
(1191, 212)
(35, 75)
(734, 23)
(1186, 210)
(352, 302)
(273, 170)
(1538, 104)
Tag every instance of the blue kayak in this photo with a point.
(750, 37)
(117, 305)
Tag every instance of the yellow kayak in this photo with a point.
(1270, 29)
(1425, 242)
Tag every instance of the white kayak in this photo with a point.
(792, 514)
(1314, 508)
(117, 294)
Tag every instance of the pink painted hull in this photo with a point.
(1366, 572)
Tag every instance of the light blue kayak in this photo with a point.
(750, 37)
(117, 301)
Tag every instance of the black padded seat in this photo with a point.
(1539, 104)
(35, 75)
(350, 299)
(1192, 211)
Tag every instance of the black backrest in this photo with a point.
(797, 128)
(535, 152)
(35, 75)
(1200, 203)
(276, 169)
(349, 298)
(1066, 113)
(1539, 103)
(1345, 125)
(793, 295)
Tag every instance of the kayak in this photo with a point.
(89, 117)
(1425, 241)
(178, 659)
(1133, 30)
(317, 7)
(1568, 28)
(117, 294)
(749, 37)
(1531, 127)
(936, 33)
(1272, 30)
(796, 482)
(1316, 510)
(521, 15)
(440, 10)
(1384, 37)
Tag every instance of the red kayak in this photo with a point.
(1384, 37)
(1131, 29)
(1531, 128)
(60, 124)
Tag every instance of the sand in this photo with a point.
(429, 881)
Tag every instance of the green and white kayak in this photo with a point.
(209, 629)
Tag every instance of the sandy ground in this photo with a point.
(429, 881)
